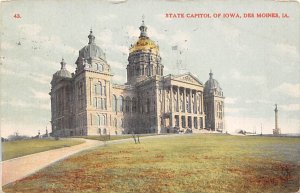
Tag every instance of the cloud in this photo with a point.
(40, 95)
(153, 33)
(37, 77)
(116, 65)
(229, 32)
(161, 17)
(119, 79)
(109, 17)
(32, 33)
(181, 38)
(18, 103)
(132, 32)
(105, 36)
(260, 101)
(232, 110)
(229, 100)
(6, 46)
(30, 30)
(40, 78)
(235, 74)
(291, 107)
(118, 48)
(289, 89)
(287, 50)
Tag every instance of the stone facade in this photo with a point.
(87, 102)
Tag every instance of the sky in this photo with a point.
(255, 60)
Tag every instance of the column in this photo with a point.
(163, 100)
(180, 126)
(91, 88)
(186, 121)
(184, 100)
(201, 103)
(190, 101)
(195, 103)
(178, 99)
(108, 95)
(171, 98)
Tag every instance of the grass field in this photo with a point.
(183, 163)
(13, 149)
(111, 137)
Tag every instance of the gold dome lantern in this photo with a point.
(144, 43)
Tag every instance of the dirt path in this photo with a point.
(18, 168)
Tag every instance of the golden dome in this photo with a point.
(143, 44)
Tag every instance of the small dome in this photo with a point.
(212, 86)
(63, 72)
(144, 43)
(91, 50)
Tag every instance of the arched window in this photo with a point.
(134, 105)
(99, 103)
(99, 67)
(120, 104)
(114, 103)
(127, 104)
(102, 120)
(98, 88)
(122, 123)
(115, 123)
(148, 106)
(96, 120)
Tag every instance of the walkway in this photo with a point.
(18, 168)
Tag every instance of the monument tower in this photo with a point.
(276, 131)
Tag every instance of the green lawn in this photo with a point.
(111, 137)
(183, 163)
(13, 149)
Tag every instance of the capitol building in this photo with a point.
(87, 102)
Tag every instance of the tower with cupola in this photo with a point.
(61, 101)
(144, 59)
(214, 105)
(92, 86)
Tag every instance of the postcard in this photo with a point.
(150, 96)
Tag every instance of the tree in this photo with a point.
(135, 135)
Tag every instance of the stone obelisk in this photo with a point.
(276, 131)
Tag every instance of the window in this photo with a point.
(95, 102)
(99, 104)
(201, 122)
(96, 120)
(114, 103)
(134, 104)
(99, 67)
(127, 104)
(98, 88)
(148, 106)
(102, 120)
(115, 123)
(120, 104)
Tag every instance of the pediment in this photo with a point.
(188, 78)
